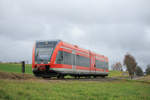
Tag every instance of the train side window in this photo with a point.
(67, 58)
(59, 57)
(82, 61)
(106, 65)
(100, 64)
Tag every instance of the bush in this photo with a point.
(148, 70)
(139, 71)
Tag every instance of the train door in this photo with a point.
(94, 64)
(91, 63)
(74, 61)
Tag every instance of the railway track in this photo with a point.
(84, 79)
(16, 76)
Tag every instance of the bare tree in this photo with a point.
(117, 66)
(131, 64)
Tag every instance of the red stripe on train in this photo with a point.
(101, 70)
(77, 67)
(82, 68)
(61, 66)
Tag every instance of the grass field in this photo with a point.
(39, 89)
(15, 68)
(73, 90)
(118, 74)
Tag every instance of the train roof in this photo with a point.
(48, 40)
(74, 47)
(84, 50)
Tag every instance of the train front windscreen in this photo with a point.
(43, 51)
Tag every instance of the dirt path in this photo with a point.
(138, 78)
(8, 75)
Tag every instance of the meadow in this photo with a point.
(73, 90)
(15, 68)
(40, 89)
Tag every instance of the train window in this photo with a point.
(59, 58)
(67, 57)
(64, 58)
(46, 44)
(100, 64)
(43, 51)
(82, 61)
(43, 55)
(106, 65)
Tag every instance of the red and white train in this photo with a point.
(58, 58)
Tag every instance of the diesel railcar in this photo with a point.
(58, 58)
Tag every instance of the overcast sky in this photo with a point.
(108, 27)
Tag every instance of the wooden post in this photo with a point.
(23, 66)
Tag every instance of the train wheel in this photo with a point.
(94, 76)
(103, 76)
(88, 76)
(75, 77)
(37, 75)
(60, 76)
(78, 77)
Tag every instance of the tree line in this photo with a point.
(131, 66)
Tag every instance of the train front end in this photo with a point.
(41, 58)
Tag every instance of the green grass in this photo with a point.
(73, 90)
(38, 89)
(118, 74)
(15, 68)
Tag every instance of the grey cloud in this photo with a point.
(109, 27)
